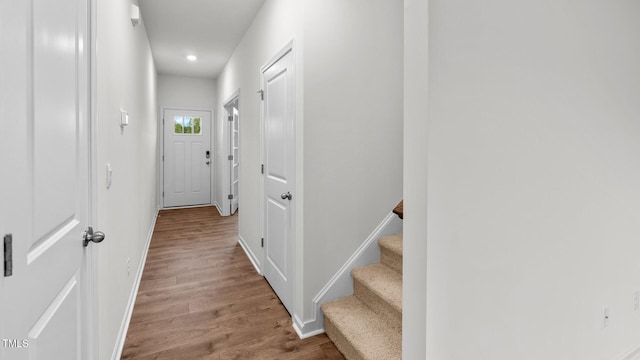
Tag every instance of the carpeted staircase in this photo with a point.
(368, 324)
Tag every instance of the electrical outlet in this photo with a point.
(636, 300)
(128, 267)
(606, 317)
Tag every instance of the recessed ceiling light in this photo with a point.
(192, 57)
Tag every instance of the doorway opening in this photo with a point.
(233, 152)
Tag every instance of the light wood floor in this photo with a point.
(200, 298)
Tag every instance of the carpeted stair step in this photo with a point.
(391, 251)
(380, 288)
(359, 333)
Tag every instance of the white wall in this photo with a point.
(348, 128)
(181, 92)
(352, 129)
(126, 78)
(533, 201)
(274, 26)
(414, 278)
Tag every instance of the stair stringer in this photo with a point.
(341, 284)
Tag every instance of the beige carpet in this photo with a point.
(368, 324)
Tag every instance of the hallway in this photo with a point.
(200, 298)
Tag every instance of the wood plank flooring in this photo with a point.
(200, 298)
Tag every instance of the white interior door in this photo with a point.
(279, 192)
(44, 157)
(187, 158)
(234, 155)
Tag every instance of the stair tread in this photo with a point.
(366, 331)
(383, 281)
(392, 242)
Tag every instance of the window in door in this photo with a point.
(187, 125)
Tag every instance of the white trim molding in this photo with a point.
(252, 257)
(633, 354)
(124, 327)
(226, 171)
(299, 325)
(217, 205)
(341, 284)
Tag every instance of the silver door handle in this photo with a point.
(90, 236)
(286, 196)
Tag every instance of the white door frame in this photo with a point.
(92, 286)
(212, 180)
(226, 180)
(289, 47)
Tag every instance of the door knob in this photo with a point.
(89, 235)
(207, 162)
(286, 196)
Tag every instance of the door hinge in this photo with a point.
(162, 157)
(230, 196)
(261, 92)
(230, 118)
(8, 255)
(262, 242)
(230, 157)
(262, 169)
(163, 194)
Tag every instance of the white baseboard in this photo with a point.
(215, 203)
(633, 354)
(252, 257)
(298, 325)
(122, 334)
(341, 284)
(186, 207)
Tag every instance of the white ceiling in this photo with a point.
(209, 29)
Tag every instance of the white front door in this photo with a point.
(187, 158)
(44, 161)
(279, 158)
(234, 155)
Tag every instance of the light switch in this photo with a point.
(135, 15)
(124, 118)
